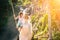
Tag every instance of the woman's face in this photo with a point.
(21, 15)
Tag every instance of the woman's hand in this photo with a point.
(19, 29)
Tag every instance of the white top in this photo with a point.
(26, 31)
(20, 19)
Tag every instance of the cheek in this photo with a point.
(21, 15)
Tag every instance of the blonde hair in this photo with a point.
(26, 16)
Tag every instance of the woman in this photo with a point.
(26, 31)
(19, 23)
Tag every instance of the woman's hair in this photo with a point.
(20, 13)
(26, 16)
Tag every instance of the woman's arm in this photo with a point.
(16, 17)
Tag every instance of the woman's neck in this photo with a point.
(26, 20)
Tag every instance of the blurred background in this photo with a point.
(45, 18)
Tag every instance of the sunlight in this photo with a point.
(57, 1)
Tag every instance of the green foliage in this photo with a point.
(41, 23)
(5, 12)
(23, 2)
(56, 35)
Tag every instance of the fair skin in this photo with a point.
(20, 15)
(26, 17)
(26, 20)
